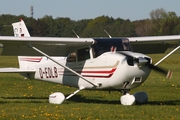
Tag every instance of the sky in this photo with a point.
(88, 9)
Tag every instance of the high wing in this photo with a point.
(153, 44)
(55, 46)
(52, 46)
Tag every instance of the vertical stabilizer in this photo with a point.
(20, 29)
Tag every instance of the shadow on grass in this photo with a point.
(170, 102)
(24, 97)
(79, 99)
(76, 99)
(99, 100)
(23, 100)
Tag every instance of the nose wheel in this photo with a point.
(127, 99)
(137, 98)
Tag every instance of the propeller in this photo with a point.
(145, 61)
(168, 73)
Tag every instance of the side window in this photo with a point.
(83, 54)
(72, 57)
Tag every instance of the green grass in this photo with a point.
(20, 99)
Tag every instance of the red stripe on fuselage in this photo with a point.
(94, 73)
(103, 72)
(31, 59)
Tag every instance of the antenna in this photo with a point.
(107, 34)
(31, 11)
(75, 34)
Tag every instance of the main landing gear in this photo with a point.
(58, 97)
(126, 99)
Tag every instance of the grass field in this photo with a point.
(28, 99)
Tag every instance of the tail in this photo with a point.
(25, 62)
(20, 29)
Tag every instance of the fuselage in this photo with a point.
(110, 70)
(109, 63)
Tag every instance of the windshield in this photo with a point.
(102, 45)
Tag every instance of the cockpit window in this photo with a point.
(71, 57)
(83, 54)
(126, 45)
(102, 45)
(79, 55)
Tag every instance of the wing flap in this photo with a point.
(149, 48)
(50, 45)
(22, 50)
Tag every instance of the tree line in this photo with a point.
(160, 22)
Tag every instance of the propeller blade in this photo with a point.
(157, 69)
(161, 70)
(129, 56)
(141, 61)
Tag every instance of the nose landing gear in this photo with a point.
(137, 98)
(127, 99)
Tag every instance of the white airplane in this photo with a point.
(85, 63)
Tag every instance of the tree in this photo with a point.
(79, 27)
(169, 22)
(156, 17)
(163, 22)
(143, 27)
(51, 25)
(40, 28)
(65, 26)
(95, 28)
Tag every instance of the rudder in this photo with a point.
(20, 29)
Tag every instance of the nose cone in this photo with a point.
(135, 75)
(133, 70)
(137, 72)
(132, 75)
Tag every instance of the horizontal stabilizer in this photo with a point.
(15, 70)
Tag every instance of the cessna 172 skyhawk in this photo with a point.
(85, 63)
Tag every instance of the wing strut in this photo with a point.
(167, 55)
(62, 65)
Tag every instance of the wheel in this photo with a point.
(56, 98)
(141, 97)
(127, 99)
